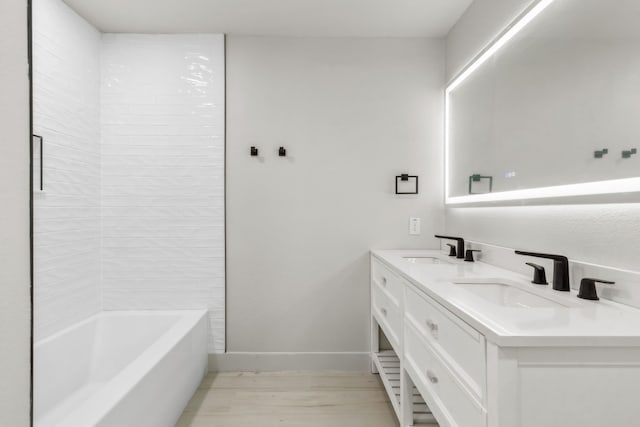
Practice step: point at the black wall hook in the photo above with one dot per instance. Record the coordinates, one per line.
(628, 153)
(282, 152)
(254, 151)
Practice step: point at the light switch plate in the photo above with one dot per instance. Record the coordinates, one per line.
(414, 226)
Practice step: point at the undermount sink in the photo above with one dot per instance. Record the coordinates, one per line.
(424, 260)
(507, 295)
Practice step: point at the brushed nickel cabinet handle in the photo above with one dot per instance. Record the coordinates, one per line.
(433, 327)
(432, 377)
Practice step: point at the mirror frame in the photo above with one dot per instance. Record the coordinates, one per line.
(609, 191)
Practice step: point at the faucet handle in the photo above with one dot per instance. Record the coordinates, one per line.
(561, 280)
(452, 249)
(539, 275)
(588, 288)
(468, 256)
(460, 240)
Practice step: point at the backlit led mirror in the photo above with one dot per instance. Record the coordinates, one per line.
(551, 108)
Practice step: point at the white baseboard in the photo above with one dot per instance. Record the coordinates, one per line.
(270, 362)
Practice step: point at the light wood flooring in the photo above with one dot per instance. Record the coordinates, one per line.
(318, 399)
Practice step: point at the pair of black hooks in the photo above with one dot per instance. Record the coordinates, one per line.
(282, 152)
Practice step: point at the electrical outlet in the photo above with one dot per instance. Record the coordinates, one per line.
(414, 226)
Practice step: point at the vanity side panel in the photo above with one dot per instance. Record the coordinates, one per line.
(502, 387)
(374, 341)
(578, 387)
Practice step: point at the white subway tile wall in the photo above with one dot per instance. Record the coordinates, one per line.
(67, 215)
(162, 123)
(132, 216)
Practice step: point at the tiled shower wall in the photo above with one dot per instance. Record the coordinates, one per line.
(162, 116)
(67, 215)
(132, 216)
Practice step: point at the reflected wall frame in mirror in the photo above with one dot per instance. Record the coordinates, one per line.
(606, 191)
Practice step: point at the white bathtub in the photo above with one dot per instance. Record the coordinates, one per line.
(120, 369)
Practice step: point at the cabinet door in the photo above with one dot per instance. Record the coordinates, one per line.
(458, 344)
(390, 282)
(442, 390)
(388, 315)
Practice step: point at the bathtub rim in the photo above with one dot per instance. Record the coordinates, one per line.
(110, 313)
(93, 410)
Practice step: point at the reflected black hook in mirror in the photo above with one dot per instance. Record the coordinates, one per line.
(254, 151)
(600, 153)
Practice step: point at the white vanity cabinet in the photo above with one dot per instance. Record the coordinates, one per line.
(445, 359)
(387, 290)
(443, 369)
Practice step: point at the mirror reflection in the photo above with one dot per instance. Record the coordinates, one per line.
(558, 104)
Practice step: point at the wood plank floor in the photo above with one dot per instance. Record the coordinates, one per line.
(319, 399)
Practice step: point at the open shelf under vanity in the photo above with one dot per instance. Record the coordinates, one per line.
(388, 364)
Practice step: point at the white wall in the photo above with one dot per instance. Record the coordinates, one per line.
(602, 234)
(162, 114)
(353, 114)
(14, 215)
(477, 27)
(67, 215)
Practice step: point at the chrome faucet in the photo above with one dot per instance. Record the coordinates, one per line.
(560, 269)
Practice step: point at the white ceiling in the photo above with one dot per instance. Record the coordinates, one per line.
(301, 18)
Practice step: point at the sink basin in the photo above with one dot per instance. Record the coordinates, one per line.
(508, 296)
(424, 260)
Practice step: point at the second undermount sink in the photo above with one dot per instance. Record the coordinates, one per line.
(507, 295)
(424, 260)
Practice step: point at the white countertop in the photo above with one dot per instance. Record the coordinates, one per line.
(579, 322)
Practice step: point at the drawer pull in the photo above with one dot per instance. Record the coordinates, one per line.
(383, 311)
(384, 281)
(433, 327)
(432, 377)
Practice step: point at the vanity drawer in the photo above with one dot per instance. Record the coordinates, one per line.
(388, 316)
(442, 390)
(390, 282)
(459, 345)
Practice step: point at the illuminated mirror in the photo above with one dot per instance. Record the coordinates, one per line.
(551, 109)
